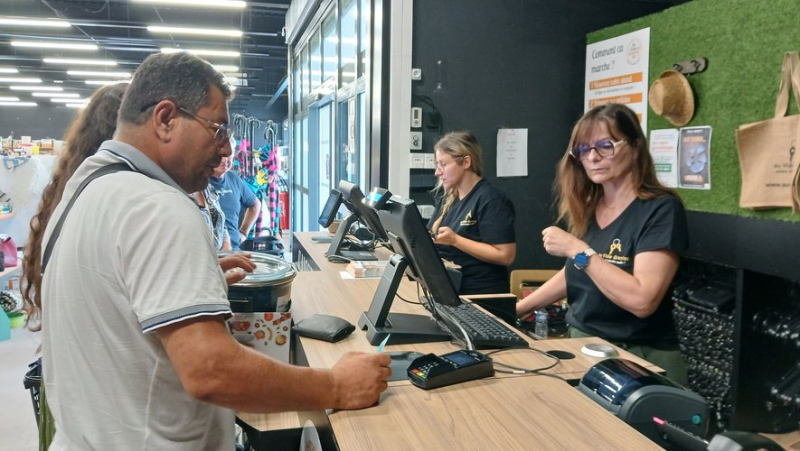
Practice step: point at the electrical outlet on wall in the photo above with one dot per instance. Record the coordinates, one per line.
(416, 140)
(430, 161)
(416, 74)
(417, 161)
(416, 117)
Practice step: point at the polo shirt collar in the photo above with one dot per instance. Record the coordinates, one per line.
(138, 161)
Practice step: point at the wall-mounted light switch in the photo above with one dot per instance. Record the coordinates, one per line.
(416, 117)
(416, 140)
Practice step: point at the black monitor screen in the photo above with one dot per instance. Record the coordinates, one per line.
(355, 197)
(410, 238)
(331, 208)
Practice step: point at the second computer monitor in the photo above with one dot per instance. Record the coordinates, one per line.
(409, 237)
(355, 197)
(331, 208)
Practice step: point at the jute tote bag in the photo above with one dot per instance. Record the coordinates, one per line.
(767, 148)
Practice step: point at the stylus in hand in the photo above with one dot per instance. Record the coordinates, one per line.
(383, 343)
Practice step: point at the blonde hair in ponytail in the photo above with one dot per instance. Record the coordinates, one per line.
(458, 145)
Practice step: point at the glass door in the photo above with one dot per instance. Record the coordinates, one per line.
(325, 179)
(348, 146)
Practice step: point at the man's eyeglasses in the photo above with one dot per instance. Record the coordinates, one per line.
(604, 148)
(222, 132)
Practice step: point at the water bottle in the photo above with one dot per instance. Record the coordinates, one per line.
(541, 323)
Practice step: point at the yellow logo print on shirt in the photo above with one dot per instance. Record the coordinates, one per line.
(468, 221)
(618, 260)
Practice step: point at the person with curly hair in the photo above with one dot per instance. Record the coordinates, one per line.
(95, 123)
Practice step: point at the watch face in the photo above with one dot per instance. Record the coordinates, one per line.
(581, 260)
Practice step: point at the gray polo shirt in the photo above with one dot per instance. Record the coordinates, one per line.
(133, 256)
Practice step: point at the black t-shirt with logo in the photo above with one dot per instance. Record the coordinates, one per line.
(487, 216)
(646, 225)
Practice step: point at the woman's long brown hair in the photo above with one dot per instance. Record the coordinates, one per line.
(95, 123)
(577, 197)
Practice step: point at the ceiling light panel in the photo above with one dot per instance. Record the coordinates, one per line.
(17, 104)
(28, 22)
(90, 73)
(80, 62)
(224, 68)
(47, 45)
(9, 99)
(55, 94)
(35, 88)
(8, 70)
(197, 3)
(106, 82)
(202, 52)
(20, 80)
(196, 31)
(62, 100)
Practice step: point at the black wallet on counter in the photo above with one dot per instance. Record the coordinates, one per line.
(324, 327)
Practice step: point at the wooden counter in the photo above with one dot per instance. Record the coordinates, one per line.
(503, 412)
(539, 413)
(325, 291)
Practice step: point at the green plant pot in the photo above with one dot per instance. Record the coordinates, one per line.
(17, 319)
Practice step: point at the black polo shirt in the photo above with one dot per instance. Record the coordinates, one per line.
(646, 225)
(487, 216)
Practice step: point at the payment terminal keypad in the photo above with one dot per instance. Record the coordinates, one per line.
(432, 371)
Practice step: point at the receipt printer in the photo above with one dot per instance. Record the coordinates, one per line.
(636, 395)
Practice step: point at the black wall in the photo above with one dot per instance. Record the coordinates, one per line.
(43, 121)
(513, 64)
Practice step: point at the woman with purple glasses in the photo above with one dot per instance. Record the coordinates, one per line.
(625, 232)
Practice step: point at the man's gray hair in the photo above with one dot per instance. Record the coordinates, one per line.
(180, 77)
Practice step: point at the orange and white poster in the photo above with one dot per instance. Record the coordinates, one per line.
(616, 72)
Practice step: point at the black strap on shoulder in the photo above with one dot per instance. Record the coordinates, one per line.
(105, 170)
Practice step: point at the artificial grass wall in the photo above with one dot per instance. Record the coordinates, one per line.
(744, 41)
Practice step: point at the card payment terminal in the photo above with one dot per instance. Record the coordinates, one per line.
(432, 371)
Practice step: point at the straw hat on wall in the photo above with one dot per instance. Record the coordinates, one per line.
(671, 96)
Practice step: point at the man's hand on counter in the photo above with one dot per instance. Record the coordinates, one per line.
(360, 378)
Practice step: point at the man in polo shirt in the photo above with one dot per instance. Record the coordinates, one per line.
(136, 351)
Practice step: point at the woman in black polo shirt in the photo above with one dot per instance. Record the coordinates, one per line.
(626, 232)
(473, 223)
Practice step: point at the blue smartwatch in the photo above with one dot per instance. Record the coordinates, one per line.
(581, 260)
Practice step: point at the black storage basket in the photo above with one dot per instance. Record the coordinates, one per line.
(33, 382)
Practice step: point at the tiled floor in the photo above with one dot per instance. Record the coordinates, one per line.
(17, 422)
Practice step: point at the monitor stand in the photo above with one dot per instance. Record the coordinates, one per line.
(404, 328)
(338, 239)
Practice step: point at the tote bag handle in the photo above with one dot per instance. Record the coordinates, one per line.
(790, 77)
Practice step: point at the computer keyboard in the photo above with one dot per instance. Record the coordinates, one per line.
(485, 331)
